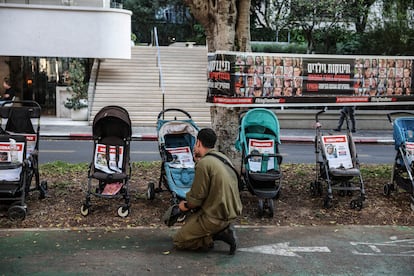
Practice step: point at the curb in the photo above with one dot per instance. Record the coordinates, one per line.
(153, 137)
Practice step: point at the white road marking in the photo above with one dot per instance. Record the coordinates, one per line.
(283, 249)
(391, 248)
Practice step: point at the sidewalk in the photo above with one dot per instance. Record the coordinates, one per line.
(274, 250)
(62, 128)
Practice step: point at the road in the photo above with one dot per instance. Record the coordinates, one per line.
(76, 151)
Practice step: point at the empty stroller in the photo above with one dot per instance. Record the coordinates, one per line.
(337, 164)
(176, 140)
(110, 169)
(403, 168)
(19, 160)
(258, 140)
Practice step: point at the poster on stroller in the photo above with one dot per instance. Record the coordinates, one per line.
(409, 146)
(109, 164)
(182, 157)
(337, 151)
(11, 154)
(260, 148)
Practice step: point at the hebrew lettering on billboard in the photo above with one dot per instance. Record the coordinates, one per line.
(264, 78)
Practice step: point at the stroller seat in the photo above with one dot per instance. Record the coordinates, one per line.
(345, 172)
(111, 169)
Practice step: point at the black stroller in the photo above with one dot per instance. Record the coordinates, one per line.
(258, 140)
(110, 169)
(403, 168)
(337, 164)
(19, 159)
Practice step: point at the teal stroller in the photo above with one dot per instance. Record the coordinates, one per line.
(403, 168)
(258, 141)
(177, 134)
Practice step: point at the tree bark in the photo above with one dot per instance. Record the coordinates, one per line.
(243, 38)
(227, 27)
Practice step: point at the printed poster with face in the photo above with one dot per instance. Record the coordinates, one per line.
(337, 151)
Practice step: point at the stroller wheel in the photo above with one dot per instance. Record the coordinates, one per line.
(387, 189)
(327, 203)
(261, 207)
(43, 189)
(312, 188)
(356, 204)
(277, 196)
(85, 210)
(271, 206)
(316, 188)
(17, 212)
(151, 191)
(123, 211)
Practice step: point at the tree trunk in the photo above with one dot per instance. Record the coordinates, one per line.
(218, 18)
(242, 42)
(225, 121)
(224, 22)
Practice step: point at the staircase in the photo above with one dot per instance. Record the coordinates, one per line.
(135, 84)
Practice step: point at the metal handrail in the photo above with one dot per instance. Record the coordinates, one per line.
(161, 79)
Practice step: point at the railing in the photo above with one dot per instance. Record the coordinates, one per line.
(161, 80)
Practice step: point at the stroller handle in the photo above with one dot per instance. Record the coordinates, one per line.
(319, 113)
(161, 114)
(31, 103)
(391, 114)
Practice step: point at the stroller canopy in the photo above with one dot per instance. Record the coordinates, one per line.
(258, 123)
(402, 127)
(177, 128)
(112, 121)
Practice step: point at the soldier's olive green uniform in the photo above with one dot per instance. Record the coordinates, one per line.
(215, 190)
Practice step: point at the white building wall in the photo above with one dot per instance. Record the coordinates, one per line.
(64, 31)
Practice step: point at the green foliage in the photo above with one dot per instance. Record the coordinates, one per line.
(281, 47)
(377, 171)
(61, 168)
(78, 86)
(171, 18)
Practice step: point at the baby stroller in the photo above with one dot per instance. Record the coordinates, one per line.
(258, 141)
(337, 164)
(19, 160)
(403, 168)
(110, 169)
(176, 141)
